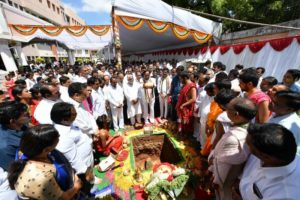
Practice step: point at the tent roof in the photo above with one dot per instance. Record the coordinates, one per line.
(144, 40)
(15, 16)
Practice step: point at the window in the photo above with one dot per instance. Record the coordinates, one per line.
(86, 52)
(10, 3)
(41, 1)
(49, 5)
(21, 8)
(16, 5)
(57, 10)
(53, 6)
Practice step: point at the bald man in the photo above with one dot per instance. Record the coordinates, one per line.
(134, 109)
(231, 152)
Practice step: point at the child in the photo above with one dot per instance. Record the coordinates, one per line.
(105, 143)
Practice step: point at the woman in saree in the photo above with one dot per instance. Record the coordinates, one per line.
(41, 172)
(185, 104)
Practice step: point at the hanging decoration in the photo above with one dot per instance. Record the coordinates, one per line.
(181, 32)
(132, 23)
(76, 31)
(99, 30)
(157, 26)
(277, 44)
(24, 30)
(51, 30)
(200, 37)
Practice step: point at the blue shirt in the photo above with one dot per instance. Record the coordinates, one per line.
(175, 87)
(295, 87)
(9, 142)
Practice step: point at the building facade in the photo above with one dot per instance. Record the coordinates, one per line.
(51, 12)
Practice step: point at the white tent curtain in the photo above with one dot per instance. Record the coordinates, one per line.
(275, 62)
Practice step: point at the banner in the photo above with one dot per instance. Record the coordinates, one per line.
(76, 31)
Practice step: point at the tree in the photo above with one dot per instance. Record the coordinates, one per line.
(263, 11)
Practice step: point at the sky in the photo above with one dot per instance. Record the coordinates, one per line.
(93, 12)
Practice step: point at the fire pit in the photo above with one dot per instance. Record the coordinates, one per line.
(156, 149)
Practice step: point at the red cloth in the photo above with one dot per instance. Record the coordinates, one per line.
(202, 194)
(203, 50)
(185, 114)
(90, 104)
(237, 49)
(114, 145)
(224, 49)
(281, 44)
(10, 83)
(213, 49)
(34, 104)
(86, 106)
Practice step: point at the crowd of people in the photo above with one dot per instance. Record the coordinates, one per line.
(53, 118)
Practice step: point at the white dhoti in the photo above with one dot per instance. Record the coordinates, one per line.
(117, 117)
(163, 102)
(148, 108)
(134, 110)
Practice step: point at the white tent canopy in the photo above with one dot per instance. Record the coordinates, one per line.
(87, 41)
(145, 40)
(140, 40)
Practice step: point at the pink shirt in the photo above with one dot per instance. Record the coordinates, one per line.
(258, 97)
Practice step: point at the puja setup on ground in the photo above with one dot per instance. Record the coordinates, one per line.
(153, 162)
(150, 162)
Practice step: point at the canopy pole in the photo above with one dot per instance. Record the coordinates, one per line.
(117, 42)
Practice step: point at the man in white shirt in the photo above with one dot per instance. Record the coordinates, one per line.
(51, 95)
(218, 67)
(65, 82)
(139, 79)
(115, 97)
(148, 98)
(273, 171)
(163, 88)
(84, 120)
(76, 146)
(231, 152)
(134, 109)
(30, 82)
(83, 75)
(97, 98)
(284, 105)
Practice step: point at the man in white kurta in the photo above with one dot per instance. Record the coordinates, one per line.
(84, 119)
(63, 88)
(97, 98)
(163, 88)
(76, 146)
(146, 93)
(134, 109)
(50, 96)
(115, 97)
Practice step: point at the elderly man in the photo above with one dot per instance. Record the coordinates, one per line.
(51, 95)
(148, 98)
(134, 110)
(231, 153)
(84, 119)
(82, 75)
